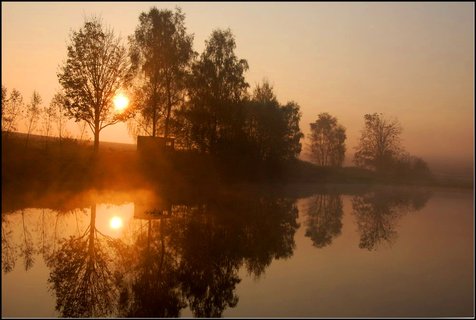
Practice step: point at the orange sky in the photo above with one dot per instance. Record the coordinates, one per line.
(413, 61)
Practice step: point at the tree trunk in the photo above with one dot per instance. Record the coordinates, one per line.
(96, 141)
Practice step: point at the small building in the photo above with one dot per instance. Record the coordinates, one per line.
(151, 145)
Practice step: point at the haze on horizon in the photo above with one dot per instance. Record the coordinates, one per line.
(412, 61)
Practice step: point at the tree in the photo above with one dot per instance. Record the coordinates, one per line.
(293, 135)
(327, 141)
(4, 98)
(12, 109)
(33, 113)
(58, 102)
(161, 50)
(49, 114)
(96, 69)
(216, 87)
(379, 143)
(273, 128)
(409, 167)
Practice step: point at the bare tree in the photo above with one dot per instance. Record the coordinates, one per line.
(49, 114)
(58, 102)
(379, 144)
(12, 110)
(33, 112)
(96, 69)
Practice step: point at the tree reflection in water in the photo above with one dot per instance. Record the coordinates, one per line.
(378, 212)
(151, 286)
(82, 273)
(8, 246)
(324, 219)
(193, 257)
(189, 255)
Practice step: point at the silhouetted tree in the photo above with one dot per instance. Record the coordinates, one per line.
(12, 109)
(33, 112)
(161, 51)
(4, 96)
(58, 103)
(48, 114)
(327, 141)
(409, 167)
(216, 88)
(96, 69)
(324, 219)
(4, 104)
(379, 143)
(273, 128)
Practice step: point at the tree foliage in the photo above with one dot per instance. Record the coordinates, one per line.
(272, 128)
(216, 88)
(12, 109)
(96, 69)
(161, 53)
(327, 141)
(33, 113)
(379, 143)
(58, 103)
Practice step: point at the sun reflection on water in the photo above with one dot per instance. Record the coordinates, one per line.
(116, 222)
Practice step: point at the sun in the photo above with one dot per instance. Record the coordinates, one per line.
(120, 102)
(115, 222)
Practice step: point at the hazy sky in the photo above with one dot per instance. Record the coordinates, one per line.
(413, 61)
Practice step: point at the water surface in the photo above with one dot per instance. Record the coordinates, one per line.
(387, 251)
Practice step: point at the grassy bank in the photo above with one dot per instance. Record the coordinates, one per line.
(48, 164)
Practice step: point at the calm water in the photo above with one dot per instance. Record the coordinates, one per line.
(382, 252)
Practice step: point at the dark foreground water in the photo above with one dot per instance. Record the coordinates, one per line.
(382, 252)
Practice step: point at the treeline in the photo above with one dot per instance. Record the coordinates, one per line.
(379, 149)
(36, 117)
(202, 101)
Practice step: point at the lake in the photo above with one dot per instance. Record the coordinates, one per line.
(325, 252)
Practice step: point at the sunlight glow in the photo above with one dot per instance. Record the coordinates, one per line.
(120, 102)
(115, 222)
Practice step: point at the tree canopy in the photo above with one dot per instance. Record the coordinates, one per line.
(161, 53)
(327, 141)
(379, 143)
(96, 69)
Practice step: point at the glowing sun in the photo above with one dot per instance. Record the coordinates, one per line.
(120, 102)
(115, 222)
